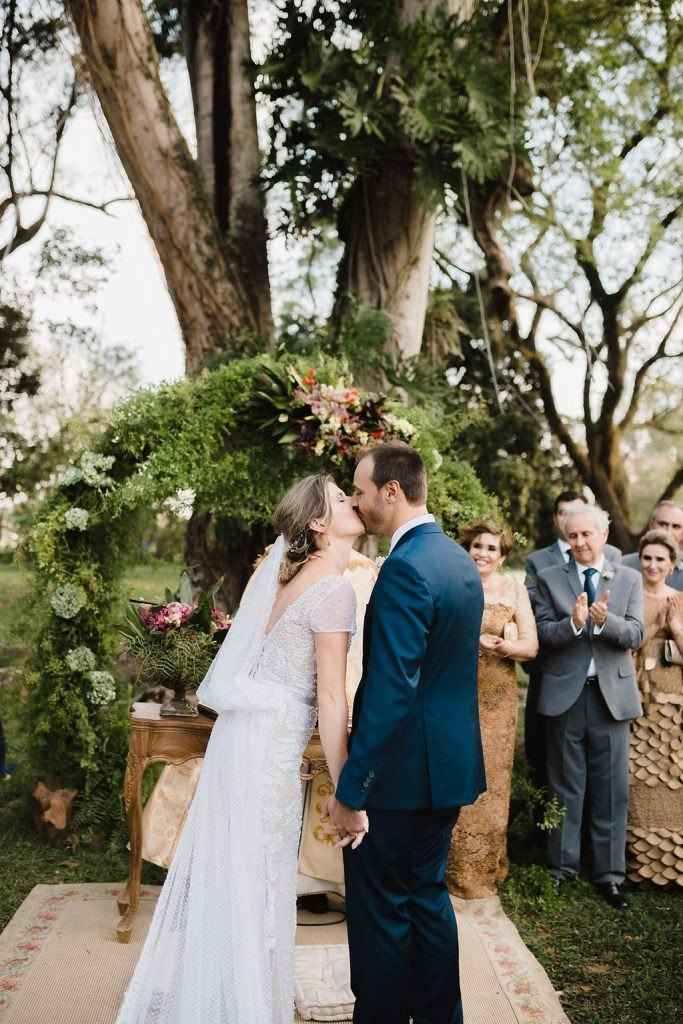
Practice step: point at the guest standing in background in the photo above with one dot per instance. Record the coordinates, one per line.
(557, 553)
(666, 516)
(478, 854)
(589, 615)
(655, 821)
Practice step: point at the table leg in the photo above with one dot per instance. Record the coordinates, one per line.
(129, 899)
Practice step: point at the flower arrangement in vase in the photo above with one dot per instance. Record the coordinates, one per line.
(175, 642)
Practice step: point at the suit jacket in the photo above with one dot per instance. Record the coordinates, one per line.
(415, 740)
(546, 558)
(675, 580)
(566, 657)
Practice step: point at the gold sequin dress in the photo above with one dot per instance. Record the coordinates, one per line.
(655, 824)
(477, 858)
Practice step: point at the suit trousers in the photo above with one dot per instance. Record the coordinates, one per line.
(534, 730)
(403, 938)
(587, 745)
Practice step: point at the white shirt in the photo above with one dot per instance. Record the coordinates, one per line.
(565, 549)
(410, 525)
(597, 630)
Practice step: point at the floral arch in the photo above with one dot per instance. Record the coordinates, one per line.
(236, 437)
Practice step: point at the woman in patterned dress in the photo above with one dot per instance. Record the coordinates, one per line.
(655, 825)
(478, 855)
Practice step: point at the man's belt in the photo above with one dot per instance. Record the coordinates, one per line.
(591, 679)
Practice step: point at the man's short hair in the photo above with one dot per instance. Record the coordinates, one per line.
(566, 496)
(667, 503)
(598, 515)
(397, 461)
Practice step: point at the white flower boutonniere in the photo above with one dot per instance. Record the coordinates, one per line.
(607, 573)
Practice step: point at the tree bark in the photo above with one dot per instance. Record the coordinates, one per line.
(219, 59)
(205, 281)
(388, 240)
(388, 232)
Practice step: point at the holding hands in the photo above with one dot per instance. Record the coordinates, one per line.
(349, 826)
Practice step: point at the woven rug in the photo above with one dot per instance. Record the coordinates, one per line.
(60, 962)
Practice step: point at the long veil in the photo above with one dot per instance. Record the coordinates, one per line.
(205, 958)
(235, 661)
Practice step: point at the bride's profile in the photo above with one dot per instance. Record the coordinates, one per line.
(220, 947)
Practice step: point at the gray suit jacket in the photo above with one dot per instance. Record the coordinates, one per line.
(675, 580)
(546, 558)
(566, 657)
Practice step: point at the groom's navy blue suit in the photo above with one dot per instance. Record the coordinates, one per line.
(415, 758)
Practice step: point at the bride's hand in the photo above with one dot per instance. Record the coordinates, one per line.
(354, 839)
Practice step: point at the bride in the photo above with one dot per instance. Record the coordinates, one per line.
(220, 948)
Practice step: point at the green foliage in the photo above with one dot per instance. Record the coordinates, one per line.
(198, 436)
(354, 91)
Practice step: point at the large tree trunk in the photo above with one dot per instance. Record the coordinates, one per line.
(219, 59)
(206, 283)
(388, 232)
(388, 240)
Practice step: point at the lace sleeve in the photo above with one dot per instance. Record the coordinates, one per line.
(336, 611)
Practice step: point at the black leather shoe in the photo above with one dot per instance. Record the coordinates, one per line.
(613, 893)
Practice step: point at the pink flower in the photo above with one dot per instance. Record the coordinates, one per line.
(8, 985)
(220, 619)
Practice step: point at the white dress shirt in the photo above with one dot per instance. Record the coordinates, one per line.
(565, 549)
(597, 630)
(410, 525)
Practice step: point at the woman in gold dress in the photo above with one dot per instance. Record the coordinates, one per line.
(478, 855)
(655, 825)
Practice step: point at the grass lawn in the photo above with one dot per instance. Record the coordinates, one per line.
(611, 968)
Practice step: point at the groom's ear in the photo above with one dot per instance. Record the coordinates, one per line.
(392, 491)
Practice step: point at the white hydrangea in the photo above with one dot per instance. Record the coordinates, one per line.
(76, 518)
(68, 600)
(102, 688)
(72, 475)
(81, 659)
(94, 468)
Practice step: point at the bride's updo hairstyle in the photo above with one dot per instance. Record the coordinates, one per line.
(305, 501)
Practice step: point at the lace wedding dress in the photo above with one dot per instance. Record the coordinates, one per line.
(220, 948)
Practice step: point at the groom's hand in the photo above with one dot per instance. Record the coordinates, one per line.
(349, 825)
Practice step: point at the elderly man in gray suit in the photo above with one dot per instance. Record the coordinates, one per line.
(557, 553)
(589, 614)
(667, 516)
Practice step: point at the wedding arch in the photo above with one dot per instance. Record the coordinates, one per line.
(232, 438)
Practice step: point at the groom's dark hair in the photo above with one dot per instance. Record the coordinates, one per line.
(397, 461)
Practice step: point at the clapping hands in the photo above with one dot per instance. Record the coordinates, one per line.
(597, 612)
(494, 645)
(349, 826)
(673, 611)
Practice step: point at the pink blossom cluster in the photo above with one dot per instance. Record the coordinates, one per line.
(221, 620)
(169, 616)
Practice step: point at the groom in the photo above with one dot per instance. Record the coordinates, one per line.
(415, 751)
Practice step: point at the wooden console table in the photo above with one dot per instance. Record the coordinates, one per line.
(173, 741)
(152, 739)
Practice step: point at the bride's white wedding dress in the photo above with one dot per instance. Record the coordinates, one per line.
(220, 948)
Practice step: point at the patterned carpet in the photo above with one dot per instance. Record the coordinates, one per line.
(61, 964)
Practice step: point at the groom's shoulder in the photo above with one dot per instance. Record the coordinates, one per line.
(432, 547)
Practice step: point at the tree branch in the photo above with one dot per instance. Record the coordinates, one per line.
(673, 485)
